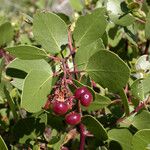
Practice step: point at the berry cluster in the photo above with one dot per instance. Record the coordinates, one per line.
(84, 95)
(61, 106)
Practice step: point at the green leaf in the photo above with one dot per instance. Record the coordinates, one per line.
(99, 103)
(2, 94)
(11, 103)
(2, 63)
(125, 20)
(24, 39)
(95, 127)
(2, 144)
(90, 28)
(124, 99)
(50, 31)
(64, 17)
(137, 89)
(146, 85)
(29, 128)
(116, 110)
(58, 145)
(107, 69)
(76, 4)
(37, 86)
(87, 52)
(6, 32)
(28, 65)
(27, 52)
(141, 140)
(130, 35)
(114, 34)
(142, 120)
(18, 83)
(147, 26)
(122, 136)
(4, 84)
(141, 88)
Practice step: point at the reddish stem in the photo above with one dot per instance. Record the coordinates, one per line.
(6, 56)
(82, 136)
(72, 51)
(70, 42)
(81, 126)
(54, 58)
(127, 93)
(137, 109)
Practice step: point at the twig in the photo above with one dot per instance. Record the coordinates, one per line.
(137, 109)
(54, 58)
(72, 52)
(82, 136)
(81, 126)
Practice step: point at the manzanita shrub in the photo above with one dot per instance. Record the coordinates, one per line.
(78, 82)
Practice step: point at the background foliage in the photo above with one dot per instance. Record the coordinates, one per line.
(109, 54)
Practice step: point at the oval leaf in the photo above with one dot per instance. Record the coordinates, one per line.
(141, 140)
(85, 52)
(2, 144)
(122, 136)
(27, 52)
(137, 89)
(125, 20)
(18, 83)
(124, 99)
(11, 103)
(29, 128)
(76, 5)
(6, 32)
(107, 69)
(147, 26)
(142, 120)
(50, 31)
(141, 88)
(90, 28)
(95, 127)
(37, 86)
(29, 65)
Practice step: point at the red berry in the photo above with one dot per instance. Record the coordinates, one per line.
(73, 118)
(86, 99)
(80, 91)
(60, 108)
